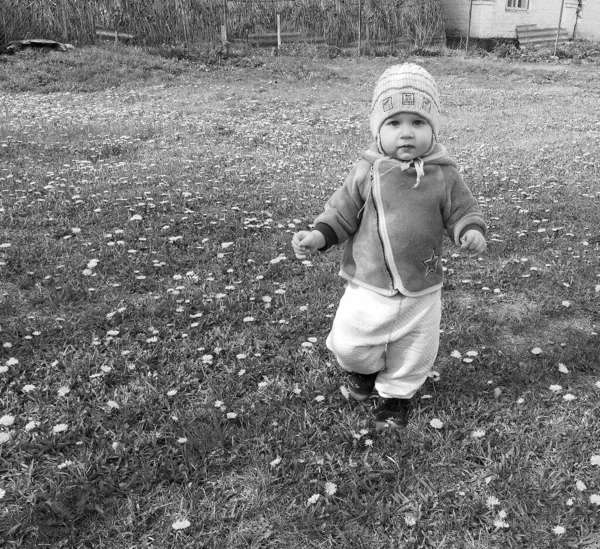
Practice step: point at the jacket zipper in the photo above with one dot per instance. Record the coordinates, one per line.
(385, 261)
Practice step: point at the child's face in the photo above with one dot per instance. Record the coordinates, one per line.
(405, 136)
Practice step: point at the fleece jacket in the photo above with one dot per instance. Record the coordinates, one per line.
(393, 222)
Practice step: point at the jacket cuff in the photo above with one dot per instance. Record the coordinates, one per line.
(472, 226)
(331, 238)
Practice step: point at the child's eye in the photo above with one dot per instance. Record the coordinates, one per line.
(419, 122)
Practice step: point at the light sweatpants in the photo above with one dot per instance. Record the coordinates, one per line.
(396, 336)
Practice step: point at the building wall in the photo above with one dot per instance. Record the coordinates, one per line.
(588, 26)
(492, 19)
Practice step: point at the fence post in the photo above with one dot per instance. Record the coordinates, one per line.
(562, 7)
(65, 30)
(469, 27)
(278, 17)
(224, 24)
(359, 26)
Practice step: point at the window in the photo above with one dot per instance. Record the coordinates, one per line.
(517, 4)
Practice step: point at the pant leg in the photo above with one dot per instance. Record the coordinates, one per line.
(361, 329)
(412, 348)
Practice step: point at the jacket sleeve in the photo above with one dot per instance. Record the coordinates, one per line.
(461, 211)
(342, 210)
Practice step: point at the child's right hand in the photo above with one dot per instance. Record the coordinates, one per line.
(306, 243)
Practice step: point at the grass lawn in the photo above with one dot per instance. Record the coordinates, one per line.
(164, 380)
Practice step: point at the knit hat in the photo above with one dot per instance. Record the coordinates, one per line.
(405, 88)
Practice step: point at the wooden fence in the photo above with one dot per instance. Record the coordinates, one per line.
(155, 22)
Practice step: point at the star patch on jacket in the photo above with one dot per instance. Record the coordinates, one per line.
(431, 264)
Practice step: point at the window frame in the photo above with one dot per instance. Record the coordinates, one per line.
(512, 5)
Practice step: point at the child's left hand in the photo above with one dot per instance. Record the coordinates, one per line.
(473, 242)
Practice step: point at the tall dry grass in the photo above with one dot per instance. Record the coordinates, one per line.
(157, 22)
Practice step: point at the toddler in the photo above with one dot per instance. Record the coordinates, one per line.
(391, 213)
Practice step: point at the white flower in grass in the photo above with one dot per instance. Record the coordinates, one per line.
(499, 523)
(181, 524)
(344, 392)
(563, 369)
(182, 440)
(313, 499)
(275, 462)
(368, 442)
(479, 433)
(455, 354)
(60, 428)
(12, 361)
(581, 486)
(4, 437)
(320, 398)
(555, 388)
(595, 460)
(231, 415)
(492, 501)
(330, 488)
(566, 303)
(2, 493)
(595, 499)
(559, 530)
(536, 351)
(136, 217)
(32, 425)
(113, 405)
(436, 423)
(3, 369)
(63, 391)
(570, 502)
(569, 397)
(410, 519)
(249, 319)
(172, 392)
(597, 384)
(7, 420)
